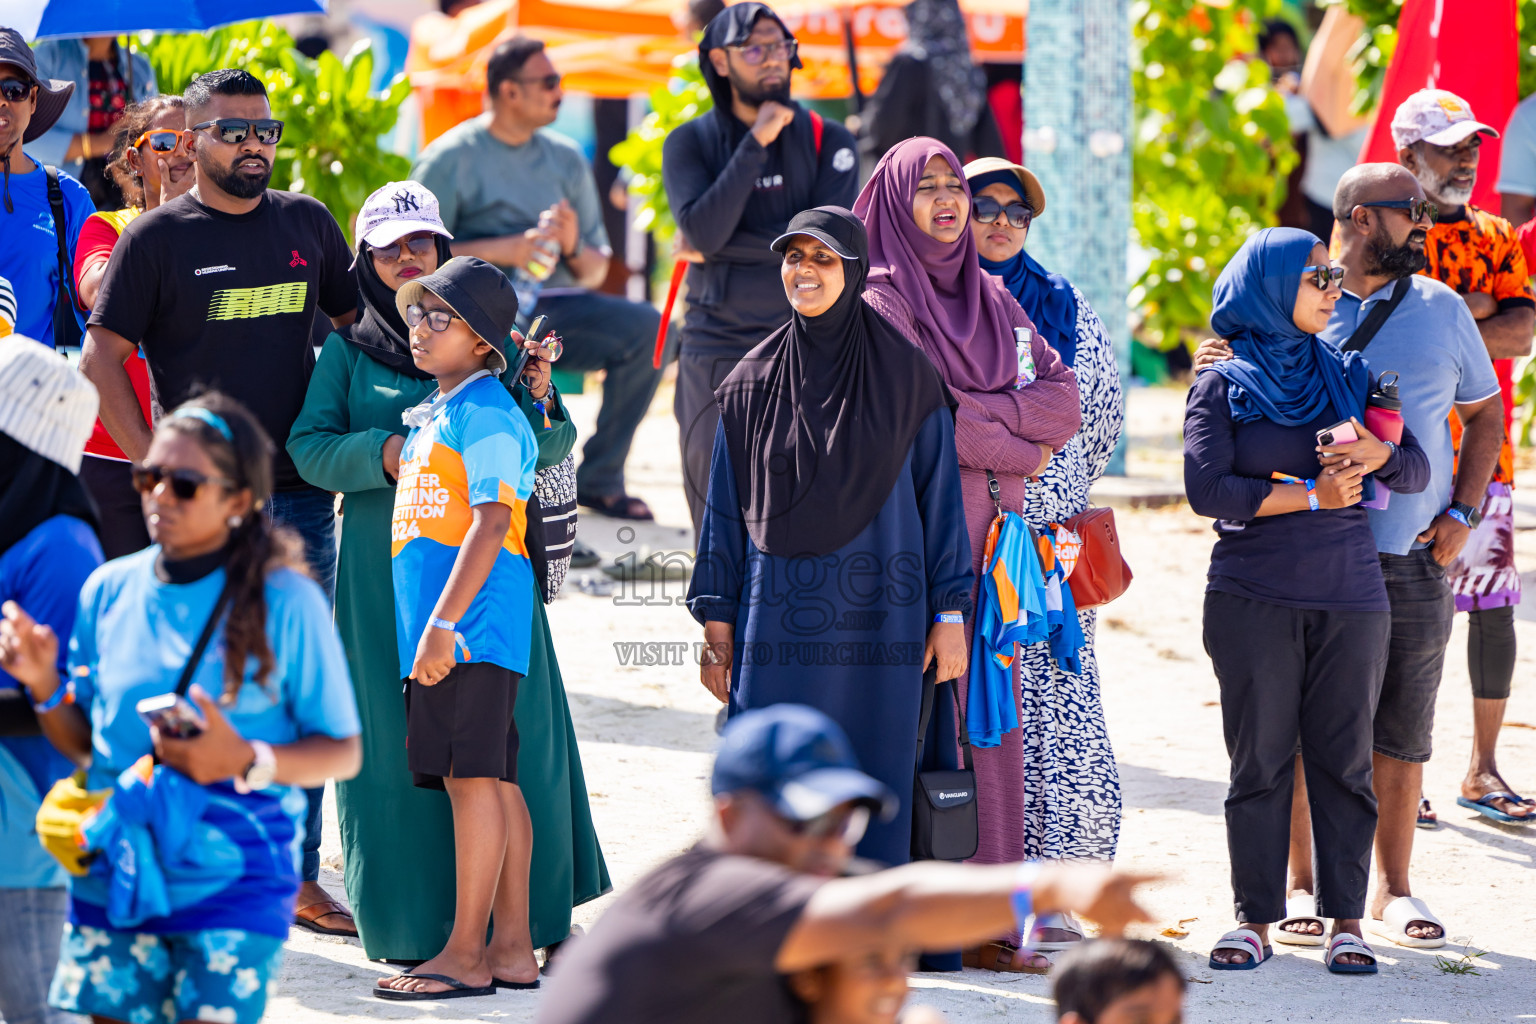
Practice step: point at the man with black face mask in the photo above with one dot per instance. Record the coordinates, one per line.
(1430, 340)
(734, 178)
(218, 289)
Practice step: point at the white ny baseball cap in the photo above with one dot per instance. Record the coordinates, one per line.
(1437, 117)
(398, 209)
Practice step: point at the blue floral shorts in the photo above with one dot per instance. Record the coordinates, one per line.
(222, 974)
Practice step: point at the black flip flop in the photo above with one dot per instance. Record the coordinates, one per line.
(456, 990)
(515, 985)
(618, 506)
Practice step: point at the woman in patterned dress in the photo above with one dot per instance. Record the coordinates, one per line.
(1072, 788)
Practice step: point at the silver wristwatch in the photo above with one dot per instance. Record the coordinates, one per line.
(261, 772)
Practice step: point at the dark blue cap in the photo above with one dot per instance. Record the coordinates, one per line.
(799, 760)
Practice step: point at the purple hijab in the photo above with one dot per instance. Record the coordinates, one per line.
(962, 311)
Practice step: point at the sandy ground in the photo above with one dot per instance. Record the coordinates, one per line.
(646, 736)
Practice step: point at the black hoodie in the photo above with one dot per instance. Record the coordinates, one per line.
(732, 197)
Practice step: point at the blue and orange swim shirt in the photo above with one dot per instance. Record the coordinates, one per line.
(476, 447)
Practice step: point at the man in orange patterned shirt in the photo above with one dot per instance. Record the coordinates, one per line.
(1478, 255)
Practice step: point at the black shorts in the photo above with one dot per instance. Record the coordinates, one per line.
(463, 727)
(1422, 610)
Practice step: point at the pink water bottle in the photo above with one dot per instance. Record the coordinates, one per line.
(1384, 418)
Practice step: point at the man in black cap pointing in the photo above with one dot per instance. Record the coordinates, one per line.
(734, 178)
(710, 935)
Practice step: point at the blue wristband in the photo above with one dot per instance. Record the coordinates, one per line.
(953, 618)
(1312, 495)
(61, 695)
(1460, 516)
(1023, 900)
(437, 623)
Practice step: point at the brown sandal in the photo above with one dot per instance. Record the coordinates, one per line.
(309, 917)
(996, 956)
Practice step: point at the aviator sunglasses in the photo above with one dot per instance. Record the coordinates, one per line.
(235, 130)
(1323, 275)
(184, 483)
(986, 210)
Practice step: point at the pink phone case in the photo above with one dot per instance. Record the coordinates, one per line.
(1343, 433)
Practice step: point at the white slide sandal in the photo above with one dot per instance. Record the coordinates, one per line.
(1402, 912)
(1301, 908)
(1059, 922)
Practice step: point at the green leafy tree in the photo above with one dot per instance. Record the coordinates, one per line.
(1212, 151)
(332, 117)
(683, 98)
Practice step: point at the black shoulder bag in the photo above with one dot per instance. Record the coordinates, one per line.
(1366, 332)
(944, 822)
(66, 329)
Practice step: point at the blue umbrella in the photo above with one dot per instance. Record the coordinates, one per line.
(51, 19)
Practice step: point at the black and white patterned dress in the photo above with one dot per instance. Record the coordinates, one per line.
(1071, 785)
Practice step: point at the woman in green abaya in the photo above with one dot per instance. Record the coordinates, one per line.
(397, 840)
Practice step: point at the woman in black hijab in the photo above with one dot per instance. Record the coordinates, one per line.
(834, 564)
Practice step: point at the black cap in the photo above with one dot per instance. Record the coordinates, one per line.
(833, 226)
(52, 94)
(478, 292)
(799, 760)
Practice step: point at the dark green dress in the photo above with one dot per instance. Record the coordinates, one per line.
(397, 840)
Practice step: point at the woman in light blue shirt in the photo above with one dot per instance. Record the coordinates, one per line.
(197, 932)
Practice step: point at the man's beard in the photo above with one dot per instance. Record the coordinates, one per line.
(231, 181)
(752, 96)
(1441, 193)
(1384, 259)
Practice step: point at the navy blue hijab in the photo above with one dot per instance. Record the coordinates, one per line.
(1278, 372)
(1046, 298)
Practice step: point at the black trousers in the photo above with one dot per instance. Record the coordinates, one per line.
(1294, 676)
(110, 485)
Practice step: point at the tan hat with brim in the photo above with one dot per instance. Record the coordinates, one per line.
(1034, 195)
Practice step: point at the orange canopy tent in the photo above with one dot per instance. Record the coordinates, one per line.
(617, 48)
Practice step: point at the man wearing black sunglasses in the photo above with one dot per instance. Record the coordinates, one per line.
(509, 189)
(734, 178)
(220, 288)
(710, 935)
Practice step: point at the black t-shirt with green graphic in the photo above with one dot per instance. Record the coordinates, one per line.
(227, 301)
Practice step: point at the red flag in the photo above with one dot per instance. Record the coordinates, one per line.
(1468, 47)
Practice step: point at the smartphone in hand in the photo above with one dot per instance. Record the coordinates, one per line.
(172, 714)
(1340, 433)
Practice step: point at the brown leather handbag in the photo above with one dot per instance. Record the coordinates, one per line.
(1101, 574)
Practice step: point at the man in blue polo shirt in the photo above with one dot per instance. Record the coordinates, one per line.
(1432, 342)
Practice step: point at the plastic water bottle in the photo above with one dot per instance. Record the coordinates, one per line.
(528, 281)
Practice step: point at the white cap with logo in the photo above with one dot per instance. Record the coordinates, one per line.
(45, 403)
(1437, 117)
(398, 209)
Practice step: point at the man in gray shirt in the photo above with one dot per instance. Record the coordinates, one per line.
(505, 185)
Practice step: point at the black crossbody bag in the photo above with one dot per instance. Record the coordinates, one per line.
(944, 822)
(1366, 332)
(66, 329)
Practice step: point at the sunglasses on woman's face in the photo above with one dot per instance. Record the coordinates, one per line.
(419, 244)
(183, 483)
(14, 90)
(161, 140)
(437, 319)
(235, 130)
(1322, 275)
(987, 210)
